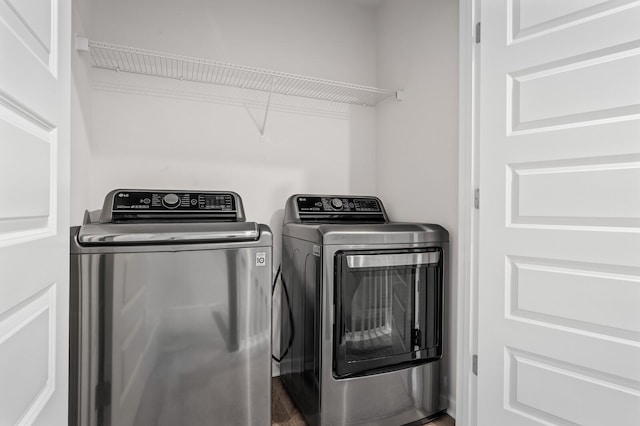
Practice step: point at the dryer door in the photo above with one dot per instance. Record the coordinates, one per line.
(388, 310)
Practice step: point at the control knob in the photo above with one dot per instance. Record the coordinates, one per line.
(336, 203)
(171, 201)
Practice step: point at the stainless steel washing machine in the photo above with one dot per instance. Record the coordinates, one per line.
(362, 313)
(170, 312)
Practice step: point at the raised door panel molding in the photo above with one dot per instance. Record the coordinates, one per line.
(589, 89)
(27, 166)
(553, 392)
(34, 24)
(532, 18)
(576, 296)
(27, 358)
(598, 193)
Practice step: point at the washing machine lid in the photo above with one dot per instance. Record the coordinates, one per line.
(140, 216)
(167, 233)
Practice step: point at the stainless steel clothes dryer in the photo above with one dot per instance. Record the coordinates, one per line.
(170, 312)
(362, 315)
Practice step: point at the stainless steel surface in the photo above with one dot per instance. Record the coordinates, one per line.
(180, 336)
(380, 260)
(285, 413)
(389, 233)
(392, 398)
(170, 322)
(395, 397)
(408, 395)
(143, 233)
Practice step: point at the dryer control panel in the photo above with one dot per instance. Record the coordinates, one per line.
(338, 204)
(334, 209)
(123, 205)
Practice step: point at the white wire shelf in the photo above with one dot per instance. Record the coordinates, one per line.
(168, 65)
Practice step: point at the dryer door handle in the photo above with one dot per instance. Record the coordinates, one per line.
(396, 259)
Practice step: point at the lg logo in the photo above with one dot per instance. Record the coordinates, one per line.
(261, 259)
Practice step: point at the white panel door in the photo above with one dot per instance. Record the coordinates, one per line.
(34, 210)
(559, 255)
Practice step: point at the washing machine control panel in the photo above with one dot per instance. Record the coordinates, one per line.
(185, 201)
(143, 205)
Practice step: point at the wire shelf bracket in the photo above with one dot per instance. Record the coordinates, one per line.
(261, 128)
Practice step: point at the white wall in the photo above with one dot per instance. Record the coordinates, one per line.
(150, 132)
(417, 139)
(80, 121)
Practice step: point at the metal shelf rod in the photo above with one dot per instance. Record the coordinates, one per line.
(168, 65)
